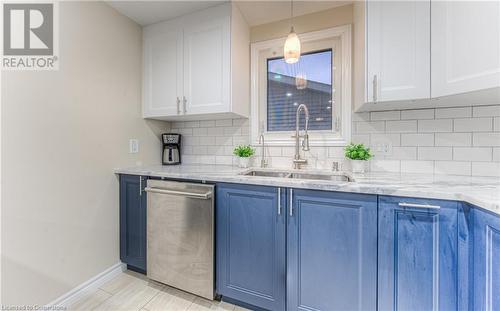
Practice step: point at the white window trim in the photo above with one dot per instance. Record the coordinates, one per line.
(342, 32)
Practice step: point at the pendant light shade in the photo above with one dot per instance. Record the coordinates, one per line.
(301, 81)
(291, 51)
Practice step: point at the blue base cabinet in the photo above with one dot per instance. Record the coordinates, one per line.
(251, 245)
(133, 222)
(418, 256)
(486, 289)
(297, 249)
(316, 248)
(332, 251)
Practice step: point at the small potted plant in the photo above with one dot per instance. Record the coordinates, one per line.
(359, 155)
(244, 153)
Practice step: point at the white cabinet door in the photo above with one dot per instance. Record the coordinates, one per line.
(465, 46)
(162, 82)
(398, 50)
(207, 66)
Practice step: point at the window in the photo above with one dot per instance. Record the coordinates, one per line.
(320, 80)
(309, 82)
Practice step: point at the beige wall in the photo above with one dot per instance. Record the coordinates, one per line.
(63, 132)
(305, 23)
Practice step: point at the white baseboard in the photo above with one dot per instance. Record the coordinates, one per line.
(89, 286)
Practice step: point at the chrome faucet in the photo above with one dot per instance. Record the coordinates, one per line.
(263, 162)
(297, 160)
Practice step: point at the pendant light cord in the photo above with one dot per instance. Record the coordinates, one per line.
(291, 14)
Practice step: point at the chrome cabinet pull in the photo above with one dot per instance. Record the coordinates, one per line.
(140, 185)
(404, 204)
(291, 202)
(184, 101)
(279, 201)
(178, 105)
(375, 88)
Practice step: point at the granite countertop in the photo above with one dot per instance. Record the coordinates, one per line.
(483, 192)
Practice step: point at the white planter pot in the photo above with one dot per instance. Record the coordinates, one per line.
(358, 166)
(243, 162)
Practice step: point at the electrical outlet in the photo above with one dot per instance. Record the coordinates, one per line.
(133, 145)
(382, 147)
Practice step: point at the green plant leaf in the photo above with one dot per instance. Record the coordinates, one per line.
(245, 151)
(357, 152)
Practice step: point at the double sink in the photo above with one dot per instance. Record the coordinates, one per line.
(336, 177)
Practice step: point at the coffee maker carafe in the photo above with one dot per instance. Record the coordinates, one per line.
(171, 149)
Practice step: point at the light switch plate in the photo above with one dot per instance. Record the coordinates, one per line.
(133, 145)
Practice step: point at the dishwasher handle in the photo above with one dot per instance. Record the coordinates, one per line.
(203, 196)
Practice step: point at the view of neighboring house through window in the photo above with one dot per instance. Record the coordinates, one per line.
(309, 82)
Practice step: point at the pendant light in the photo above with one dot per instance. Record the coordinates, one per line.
(300, 81)
(291, 50)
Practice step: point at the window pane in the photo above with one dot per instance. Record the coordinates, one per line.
(309, 82)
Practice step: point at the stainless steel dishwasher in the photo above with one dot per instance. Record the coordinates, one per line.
(180, 235)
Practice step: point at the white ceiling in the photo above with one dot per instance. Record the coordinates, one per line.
(262, 12)
(150, 12)
(255, 12)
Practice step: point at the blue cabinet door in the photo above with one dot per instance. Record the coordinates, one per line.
(486, 260)
(250, 245)
(332, 251)
(133, 222)
(417, 247)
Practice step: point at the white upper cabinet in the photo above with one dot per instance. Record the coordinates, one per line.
(190, 64)
(424, 54)
(465, 46)
(162, 81)
(207, 64)
(398, 45)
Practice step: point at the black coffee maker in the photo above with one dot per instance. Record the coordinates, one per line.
(171, 149)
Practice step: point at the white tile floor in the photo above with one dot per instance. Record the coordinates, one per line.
(133, 292)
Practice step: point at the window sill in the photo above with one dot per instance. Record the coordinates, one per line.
(313, 142)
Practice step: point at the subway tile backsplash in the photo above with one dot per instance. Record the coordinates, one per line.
(464, 141)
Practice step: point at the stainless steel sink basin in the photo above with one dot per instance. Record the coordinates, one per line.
(332, 177)
(267, 174)
(339, 177)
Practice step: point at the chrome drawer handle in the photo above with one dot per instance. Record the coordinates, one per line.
(291, 202)
(279, 201)
(204, 196)
(404, 204)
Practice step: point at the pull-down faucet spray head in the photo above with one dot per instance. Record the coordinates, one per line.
(305, 141)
